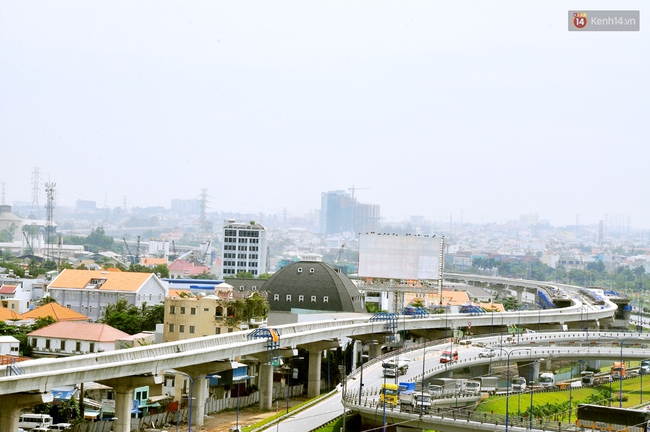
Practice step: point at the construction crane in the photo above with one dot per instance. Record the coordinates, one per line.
(137, 252)
(128, 251)
(354, 189)
(29, 245)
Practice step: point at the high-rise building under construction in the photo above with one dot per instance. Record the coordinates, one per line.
(341, 212)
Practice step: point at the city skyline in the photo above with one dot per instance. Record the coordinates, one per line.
(472, 112)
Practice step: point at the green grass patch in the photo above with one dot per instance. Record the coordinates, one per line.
(520, 402)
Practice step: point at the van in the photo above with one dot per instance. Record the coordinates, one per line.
(61, 426)
(32, 421)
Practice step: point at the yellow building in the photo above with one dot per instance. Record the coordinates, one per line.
(189, 315)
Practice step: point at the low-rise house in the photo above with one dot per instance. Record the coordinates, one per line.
(9, 345)
(184, 269)
(8, 316)
(56, 311)
(73, 338)
(88, 292)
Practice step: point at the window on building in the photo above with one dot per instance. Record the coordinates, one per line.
(276, 297)
(288, 297)
(62, 345)
(230, 329)
(217, 330)
(170, 328)
(47, 344)
(192, 329)
(181, 328)
(172, 310)
(71, 294)
(77, 346)
(325, 299)
(92, 347)
(182, 310)
(301, 298)
(33, 342)
(313, 298)
(192, 311)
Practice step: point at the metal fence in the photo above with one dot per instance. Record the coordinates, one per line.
(212, 405)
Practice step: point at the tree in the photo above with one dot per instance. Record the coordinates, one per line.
(162, 270)
(45, 300)
(510, 303)
(7, 235)
(205, 276)
(152, 315)
(131, 319)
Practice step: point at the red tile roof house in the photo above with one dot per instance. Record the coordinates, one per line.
(88, 291)
(183, 269)
(72, 338)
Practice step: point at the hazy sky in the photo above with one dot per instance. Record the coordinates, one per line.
(492, 109)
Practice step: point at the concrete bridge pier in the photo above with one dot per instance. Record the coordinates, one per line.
(528, 369)
(479, 371)
(315, 354)
(11, 404)
(124, 388)
(266, 386)
(199, 374)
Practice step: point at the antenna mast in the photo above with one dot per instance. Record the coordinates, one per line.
(49, 190)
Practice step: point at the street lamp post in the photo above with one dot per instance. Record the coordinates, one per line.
(508, 353)
(191, 392)
(289, 379)
(621, 342)
(239, 379)
(383, 421)
(371, 342)
(424, 360)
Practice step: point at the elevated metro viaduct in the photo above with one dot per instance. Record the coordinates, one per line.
(554, 345)
(125, 370)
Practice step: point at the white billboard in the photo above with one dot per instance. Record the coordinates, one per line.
(399, 257)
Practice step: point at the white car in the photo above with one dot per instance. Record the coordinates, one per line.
(487, 353)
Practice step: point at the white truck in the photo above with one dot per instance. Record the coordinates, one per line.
(444, 387)
(547, 379)
(393, 368)
(414, 401)
(489, 384)
(519, 384)
(473, 387)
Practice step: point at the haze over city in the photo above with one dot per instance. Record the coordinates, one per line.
(482, 110)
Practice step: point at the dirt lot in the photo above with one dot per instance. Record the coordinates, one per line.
(221, 422)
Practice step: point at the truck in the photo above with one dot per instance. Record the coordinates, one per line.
(449, 356)
(444, 387)
(393, 368)
(618, 370)
(389, 394)
(489, 384)
(473, 387)
(547, 380)
(588, 378)
(644, 369)
(519, 384)
(413, 401)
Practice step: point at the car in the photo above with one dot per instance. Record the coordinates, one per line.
(488, 353)
(480, 344)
